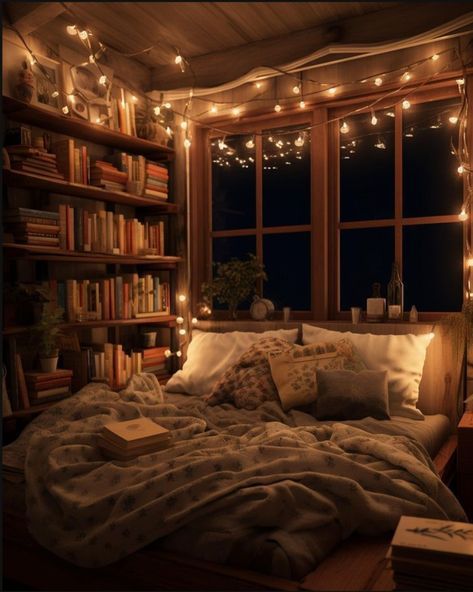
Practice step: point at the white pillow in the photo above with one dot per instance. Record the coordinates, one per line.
(402, 356)
(210, 354)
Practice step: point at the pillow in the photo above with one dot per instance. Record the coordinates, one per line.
(294, 372)
(248, 383)
(343, 394)
(210, 354)
(402, 356)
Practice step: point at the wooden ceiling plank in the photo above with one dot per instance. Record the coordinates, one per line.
(29, 16)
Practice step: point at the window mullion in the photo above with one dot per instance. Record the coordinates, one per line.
(259, 201)
(398, 124)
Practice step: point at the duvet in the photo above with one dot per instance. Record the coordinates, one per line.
(250, 488)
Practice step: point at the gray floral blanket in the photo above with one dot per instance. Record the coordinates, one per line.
(249, 488)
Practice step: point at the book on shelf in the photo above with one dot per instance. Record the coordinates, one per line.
(33, 227)
(112, 364)
(430, 554)
(73, 161)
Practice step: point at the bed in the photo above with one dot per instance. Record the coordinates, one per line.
(264, 476)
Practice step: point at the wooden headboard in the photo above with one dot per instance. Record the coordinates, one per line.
(442, 386)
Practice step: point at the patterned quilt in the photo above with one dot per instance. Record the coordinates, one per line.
(251, 488)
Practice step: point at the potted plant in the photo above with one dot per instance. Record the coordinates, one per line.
(46, 333)
(23, 303)
(234, 281)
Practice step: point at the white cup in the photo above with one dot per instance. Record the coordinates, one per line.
(286, 313)
(355, 314)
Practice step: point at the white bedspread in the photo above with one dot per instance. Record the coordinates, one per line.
(247, 487)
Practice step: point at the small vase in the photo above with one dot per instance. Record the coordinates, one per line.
(49, 364)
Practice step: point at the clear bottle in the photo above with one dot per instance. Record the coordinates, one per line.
(396, 289)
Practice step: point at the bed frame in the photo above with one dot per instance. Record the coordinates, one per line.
(357, 564)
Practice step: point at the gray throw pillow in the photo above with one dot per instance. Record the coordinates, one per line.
(343, 394)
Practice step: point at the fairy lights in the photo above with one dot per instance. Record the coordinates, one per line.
(345, 128)
(302, 104)
(406, 104)
(462, 216)
(277, 107)
(374, 119)
(378, 81)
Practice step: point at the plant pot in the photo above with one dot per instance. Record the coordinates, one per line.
(149, 339)
(49, 364)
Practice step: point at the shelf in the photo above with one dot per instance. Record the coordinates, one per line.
(166, 320)
(30, 181)
(79, 128)
(38, 253)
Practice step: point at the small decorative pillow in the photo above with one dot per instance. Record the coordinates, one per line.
(248, 383)
(294, 372)
(343, 394)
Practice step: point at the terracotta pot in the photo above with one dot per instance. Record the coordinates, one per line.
(49, 364)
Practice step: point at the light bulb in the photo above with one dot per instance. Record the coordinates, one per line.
(195, 320)
(182, 297)
(71, 29)
(302, 104)
(97, 120)
(410, 133)
(250, 143)
(91, 59)
(83, 35)
(460, 81)
(182, 331)
(435, 57)
(169, 131)
(180, 320)
(378, 81)
(374, 119)
(391, 114)
(55, 94)
(299, 141)
(157, 110)
(380, 145)
(168, 353)
(236, 111)
(462, 216)
(406, 76)
(178, 59)
(258, 84)
(461, 169)
(103, 80)
(406, 104)
(222, 145)
(332, 91)
(453, 119)
(469, 262)
(179, 353)
(134, 98)
(184, 125)
(187, 143)
(270, 139)
(33, 60)
(277, 107)
(213, 108)
(344, 128)
(65, 109)
(167, 105)
(296, 89)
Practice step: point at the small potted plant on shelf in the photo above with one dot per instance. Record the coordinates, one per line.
(46, 333)
(233, 282)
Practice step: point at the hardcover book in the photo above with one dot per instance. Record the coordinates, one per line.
(135, 433)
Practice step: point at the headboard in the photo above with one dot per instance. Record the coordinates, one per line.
(442, 386)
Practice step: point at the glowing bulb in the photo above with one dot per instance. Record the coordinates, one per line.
(33, 60)
(236, 111)
(167, 105)
(168, 353)
(344, 128)
(134, 98)
(378, 81)
(332, 91)
(55, 94)
(296, 90)
(103, 80)
(184, 125)
(270, 139)
(180, 320)
(460, 81)
(469, 262)
(65, 110)
(213, 108)
(157, 110)
(187, 143)
(406, 76)
(169, 131)
(380, 145)
(435, 57)
(461, 169)
(462, 216)
(374, 119)
(179, 353)
(98, 120)
(277, 107)
(406, 104)
(299, 141)
(178, 59)
(302, 104)
(258, 84)
(71, 29)
(194, 320)
(453, 119)
(182, 331)
(250, 143)
(222, 145)
(391, 114)
(83, 35)
(91, 59)
(182, 298)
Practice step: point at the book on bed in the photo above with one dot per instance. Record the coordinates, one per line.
(128, 439)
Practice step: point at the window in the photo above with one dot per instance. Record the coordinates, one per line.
(400, 195)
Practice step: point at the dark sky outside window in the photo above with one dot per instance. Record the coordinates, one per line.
(367, 168)
(286, 178)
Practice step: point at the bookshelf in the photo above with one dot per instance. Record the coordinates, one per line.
(43, 263)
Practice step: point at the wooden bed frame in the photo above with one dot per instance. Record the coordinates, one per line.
(359, 563)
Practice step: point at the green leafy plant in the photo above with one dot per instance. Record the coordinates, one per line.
(47, 331)
(234, 281)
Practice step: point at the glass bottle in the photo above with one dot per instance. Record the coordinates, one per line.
(395, 293)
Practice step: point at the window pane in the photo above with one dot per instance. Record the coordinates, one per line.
(233, 184)
(431, 183)
(287, 260)
(286, 178)
(367, 168)
(433, 267)
(366, 257)
(230, 247)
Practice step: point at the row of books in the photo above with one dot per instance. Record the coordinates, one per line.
(107, 232)
(47, 386)
(156, 180)
(152, 176)
(122, 114)
(33, 160)
(120, 297)
(33, 227)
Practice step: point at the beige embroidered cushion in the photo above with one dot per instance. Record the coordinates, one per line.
(294, 371)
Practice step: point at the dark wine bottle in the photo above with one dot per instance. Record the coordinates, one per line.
(395, 294)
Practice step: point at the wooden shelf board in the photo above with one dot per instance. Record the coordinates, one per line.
(29, 180)
(19, 413)
(36, 252)
(168, 320)
(79, 128)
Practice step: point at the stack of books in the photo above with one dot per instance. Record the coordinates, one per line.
(428, 554)
(125, 440)
(73, 161)
(154, 360)
(33, 160)
(104, 174)
(157, 177)
(46, 386)
(33, 227)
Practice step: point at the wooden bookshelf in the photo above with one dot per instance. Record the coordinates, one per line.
(162, 320)
(38, 253)
(30, 181)
(79, 128)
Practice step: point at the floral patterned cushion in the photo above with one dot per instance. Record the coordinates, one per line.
(248, 383)
(294, 371)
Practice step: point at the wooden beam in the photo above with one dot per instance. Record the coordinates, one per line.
(29, 16)
(400, 22)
